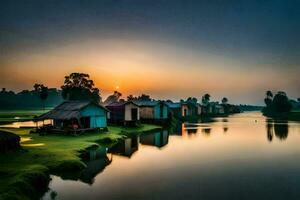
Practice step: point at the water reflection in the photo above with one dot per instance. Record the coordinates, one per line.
(158, 139)
(278, 127)
(281, 130)
(96, 160)
(126, 147)
(191, 159)
(206, 131)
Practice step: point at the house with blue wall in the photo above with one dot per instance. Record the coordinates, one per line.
(153, 111)
(77, 115)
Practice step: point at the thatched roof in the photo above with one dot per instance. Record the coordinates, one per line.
(68, 110)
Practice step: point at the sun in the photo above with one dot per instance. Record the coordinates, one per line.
(117, 87)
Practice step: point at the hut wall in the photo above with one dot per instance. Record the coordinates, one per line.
(157, 110)
(128, 108)
(97, 116)
(184, 107)
(117, 114)
(147, 112)
(199, 110)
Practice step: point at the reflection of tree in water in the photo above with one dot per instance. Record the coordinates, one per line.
(53, 195)
(270, 129)
(281, 130)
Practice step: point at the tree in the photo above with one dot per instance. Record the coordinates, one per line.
(143, 97)
(298, 99)
(206, 98)
(269, 98)
(269, 94)
(113, 98)
(79, 86)
(42, 92)
(281, 103)
(224, 100)
(131, 98)
(192, 100)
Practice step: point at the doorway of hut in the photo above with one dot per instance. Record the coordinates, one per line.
(134, 113)
(161, 110)
(185, 112)
(85, 122)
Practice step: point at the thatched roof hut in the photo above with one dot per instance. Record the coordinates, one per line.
(86, 114)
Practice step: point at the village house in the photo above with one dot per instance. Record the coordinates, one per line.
(125, 113)
(76, 115)
(182, 109)
(153, 111)
(176, 109)
(199, 109)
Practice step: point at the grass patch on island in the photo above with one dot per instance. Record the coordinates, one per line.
(28, 170)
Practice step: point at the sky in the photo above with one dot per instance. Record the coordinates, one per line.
(170, 49)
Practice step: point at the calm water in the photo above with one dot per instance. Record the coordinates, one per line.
(244, 156)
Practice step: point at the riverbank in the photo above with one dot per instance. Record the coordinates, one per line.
(10, 116)
(291, 116)
(294, 116)
(25, 174)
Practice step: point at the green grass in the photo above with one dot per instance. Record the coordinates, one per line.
(10, 116)
(24, 172)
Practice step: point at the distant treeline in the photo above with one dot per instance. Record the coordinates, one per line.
(244, 107)
(29, 99)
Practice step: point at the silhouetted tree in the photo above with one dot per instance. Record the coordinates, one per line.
(281, 103)
(113, 98)
(268, 99)
(143, 97)
(79, 86)
(42, 92)
(205, 99)
(130, 98)
(224, 100)
(192, 100)
(269, 94)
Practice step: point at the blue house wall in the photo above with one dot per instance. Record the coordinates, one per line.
(97, 116)
(157, 111)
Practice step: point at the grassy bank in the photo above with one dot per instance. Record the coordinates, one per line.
(10, 116)
(24, 174)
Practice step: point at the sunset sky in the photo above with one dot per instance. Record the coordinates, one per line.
(169, 49)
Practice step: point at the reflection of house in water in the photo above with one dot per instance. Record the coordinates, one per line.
(192, 130)
(125, 147)
(206, 131)
(96, 161)
(158, 139)
(177, 129)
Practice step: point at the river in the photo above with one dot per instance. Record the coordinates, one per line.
(244, 156)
